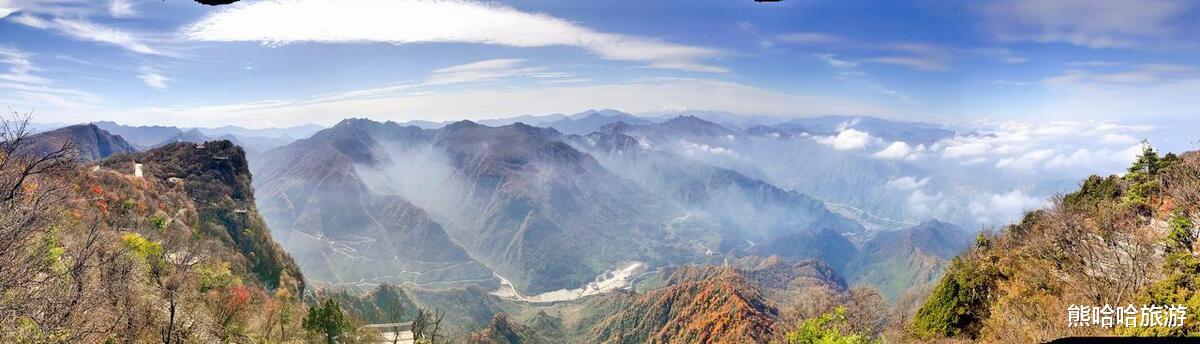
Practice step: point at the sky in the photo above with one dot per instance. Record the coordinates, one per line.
(291, 62)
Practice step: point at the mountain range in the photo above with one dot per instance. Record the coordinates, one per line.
(255, 140)
(498, 219)
(529, 207)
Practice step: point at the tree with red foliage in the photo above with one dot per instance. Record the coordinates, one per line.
(232, 303)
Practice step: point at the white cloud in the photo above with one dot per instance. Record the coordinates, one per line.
(24, 88)
(1118, 138)
(692, 149)
(908, 183)
(153, 78)
(1027, 161)
(567, 80)
(899, 150)
(922, 204)
(916, 55)
(1002, 208)
(19, 67)
(1084, 157)
(920, 63)
(82, 29)
(833, 61)
(1121, 127)
(1089, 23)
(966, 149)
(481, 71)
(1137, 74)
(847, 139)
(1065, 148)
(121, 9)
(426, 21)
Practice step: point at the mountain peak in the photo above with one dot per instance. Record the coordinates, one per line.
(602, 113)
(464, 124)
(701, 304)
(931, 223)
(354, 121)
(89, 140)
(696, 125)
(615, 127)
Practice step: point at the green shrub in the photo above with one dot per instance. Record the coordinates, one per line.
(958, 304)
(829, 328)
(159, 221)
(149, 251)
(216, 276)
(1179, 286)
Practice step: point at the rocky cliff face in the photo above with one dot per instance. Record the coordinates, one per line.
(216, 177)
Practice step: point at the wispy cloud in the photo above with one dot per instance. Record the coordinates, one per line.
(23, 87)
(1136, 74)
(406, 102)
(19, 67)
(835, 62)
(121, 9)
(151, 77)
(913, 55)
(912, 62)
(921, 56)
(82, 29)
(1000, 54)
(1094, 63)
(426, 21)
(480, 71)
(809, 37)
(1089, 23)
(845, 70)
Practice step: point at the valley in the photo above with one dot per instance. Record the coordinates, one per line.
(532, 233)
(599, 172)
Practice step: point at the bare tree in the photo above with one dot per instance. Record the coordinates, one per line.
(174, 276)
(427, 326)
(33, 261)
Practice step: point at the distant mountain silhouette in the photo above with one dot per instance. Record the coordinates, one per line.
(90, 142)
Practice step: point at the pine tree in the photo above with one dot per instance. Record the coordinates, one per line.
(1146, 163)
(327, 319)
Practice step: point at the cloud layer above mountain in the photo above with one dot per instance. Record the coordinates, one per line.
(426, 21)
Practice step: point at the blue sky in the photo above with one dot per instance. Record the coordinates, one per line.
(276, 63)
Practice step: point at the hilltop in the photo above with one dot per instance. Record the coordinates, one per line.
(95, 253)
(1117, 240)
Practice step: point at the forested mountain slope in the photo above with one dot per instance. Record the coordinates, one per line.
(1118, 241)
(95, 254)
